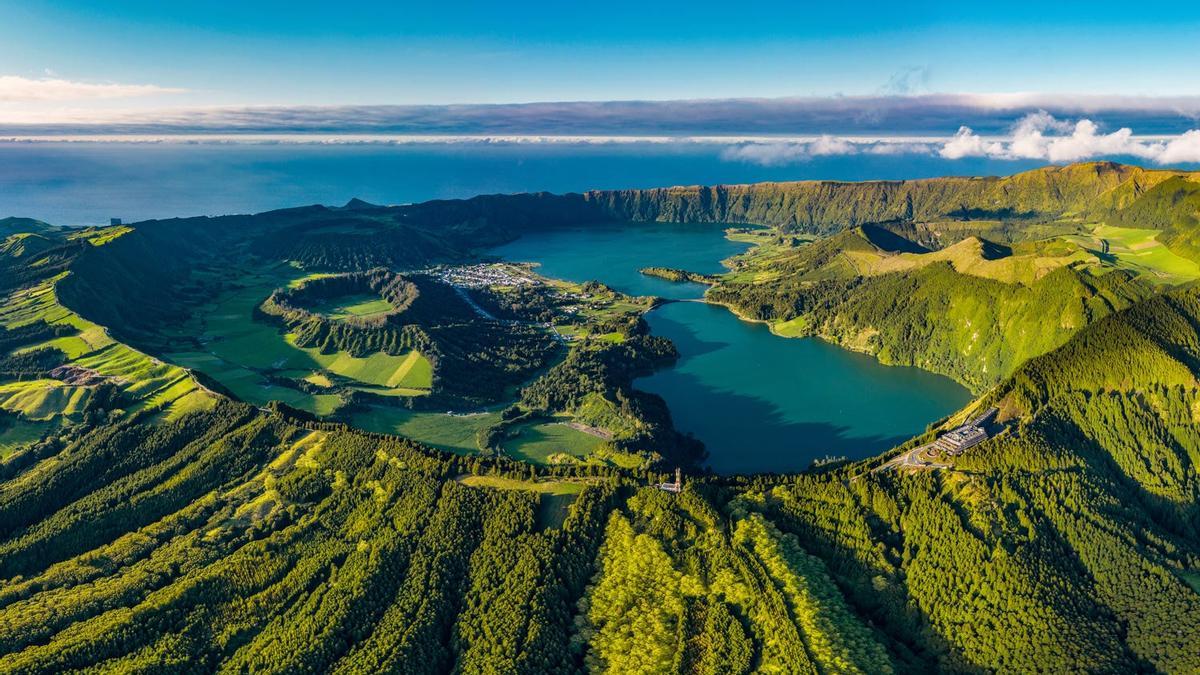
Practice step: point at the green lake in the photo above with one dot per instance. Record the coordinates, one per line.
(759, 402)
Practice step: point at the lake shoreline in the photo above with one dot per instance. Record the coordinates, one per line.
(759, 403)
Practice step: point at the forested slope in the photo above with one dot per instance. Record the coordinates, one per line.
(242, 540)
(239, 539)
(225, 537)
(1095, 189)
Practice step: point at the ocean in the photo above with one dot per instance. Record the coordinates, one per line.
(87, 183)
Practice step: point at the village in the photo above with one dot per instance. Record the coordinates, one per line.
(483, 275)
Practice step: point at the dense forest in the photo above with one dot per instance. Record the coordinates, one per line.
(248, 540)
(155, 523)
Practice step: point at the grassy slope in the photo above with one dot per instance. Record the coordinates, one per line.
(234, 540)
(147, 382)
(239, 349)
(538, 442)
(974, 310)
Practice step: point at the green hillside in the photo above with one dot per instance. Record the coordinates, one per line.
(1066, 540)
(231, 444)
(974, 311)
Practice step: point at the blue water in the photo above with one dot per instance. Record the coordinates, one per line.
(88, 183)
(614, 254)
(759, 402)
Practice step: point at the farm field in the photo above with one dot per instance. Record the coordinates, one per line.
(1139, 250)
(537, 442)
(241, 352)
(362, 305)
(453, 433)
(43, 400)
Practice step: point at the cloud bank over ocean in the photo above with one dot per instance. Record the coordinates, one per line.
(1037, 136)
(927, 114)
(768, 132)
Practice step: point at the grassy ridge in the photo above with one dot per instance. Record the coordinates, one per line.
(230, 538)
(974, 311)
(388, 554)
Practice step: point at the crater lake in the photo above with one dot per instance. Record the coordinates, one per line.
(759, 402)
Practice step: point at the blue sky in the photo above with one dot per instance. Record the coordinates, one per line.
(1052, 81)
(310, 53)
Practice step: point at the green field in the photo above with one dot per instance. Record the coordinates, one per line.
(453, 433)
(554, 497)
(240, 351)
(796, 327)
(20, 433)
(537, 442)
(1139, 250)
(363, 305)
(409, 370)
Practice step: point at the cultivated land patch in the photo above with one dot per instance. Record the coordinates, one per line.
(1140, 251)
(456, 433)
(539, 441)
(248, 356)
(360, 305)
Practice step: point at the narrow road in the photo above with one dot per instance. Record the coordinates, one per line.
(913, 459)
(462, 293)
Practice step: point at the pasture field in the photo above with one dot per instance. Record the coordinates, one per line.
(362, 305)
(19, 433)
(147, 381)
(796, 327)
(100, 236)
(239, 352)
(43, 400)
(537, 442)
(319, 379)
(408, 370)
(1139, 250)
(453, 433)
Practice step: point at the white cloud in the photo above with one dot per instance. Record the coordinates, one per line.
(778, 153)
(1182, 148)
(828, 145)
(1038, 136)
(767, 154)
(966, 144)
(14, 88)
(1042, 136)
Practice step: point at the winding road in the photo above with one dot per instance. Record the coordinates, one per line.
(912, 459)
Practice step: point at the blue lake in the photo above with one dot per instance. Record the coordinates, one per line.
(759, 402)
